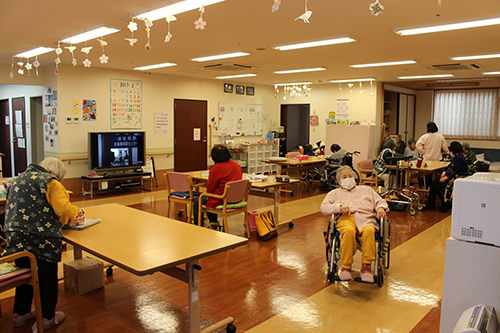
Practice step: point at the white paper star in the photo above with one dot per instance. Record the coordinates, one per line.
(57, 61)
(305, 17)
(104, 59)
(20, 71)
(132, 26)
(59, 50)
(74, 62)
(28, 66)
(87, 63)
(102, 42)
(11, 75)
(168, 37)
(199, 24)
(131, 41)
(86, 50)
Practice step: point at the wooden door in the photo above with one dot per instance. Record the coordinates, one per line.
(190, 135)
(18, 124)
(37, 143)
(296, 126)
(6, 140)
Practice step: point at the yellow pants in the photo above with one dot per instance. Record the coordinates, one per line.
(348, 231)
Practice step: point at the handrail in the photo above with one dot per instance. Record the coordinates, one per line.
(69, 160)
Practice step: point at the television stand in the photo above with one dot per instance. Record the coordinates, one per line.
(123, 180)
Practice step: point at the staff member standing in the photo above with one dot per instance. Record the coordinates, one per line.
(431, 143)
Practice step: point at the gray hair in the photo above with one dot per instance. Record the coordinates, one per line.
(389, 143)
(342, 168)
(466, 145)
(54, 166)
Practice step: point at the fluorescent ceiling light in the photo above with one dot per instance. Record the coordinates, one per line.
(446, 27)
(173, 9)
(301, 70)
(221, 56)
(314, 43)
(166, 64)
(352, 80)
(91, 34)
(235, 76)
(34, 52)
(490, 73)
(481, 56)
(423, 76)
(380, 64)
(291, 84)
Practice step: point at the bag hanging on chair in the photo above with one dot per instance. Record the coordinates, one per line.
(266, 226)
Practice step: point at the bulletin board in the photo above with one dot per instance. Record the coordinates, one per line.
(240, 119)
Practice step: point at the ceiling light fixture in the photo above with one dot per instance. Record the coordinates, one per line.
(314, 43)
(491, 73)
(173, 9)
(166, 64)
(380, 64)
(235, 76)
(480, 56)
(423, 76)
(305, 70)
(220, 56)
(446, 27)
(91, 34)
(291, 84)
(34, 52)
(352, 80)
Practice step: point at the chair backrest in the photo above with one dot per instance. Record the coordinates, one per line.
(237, 190)
(365, 164)
(292, 154)
(177, 181)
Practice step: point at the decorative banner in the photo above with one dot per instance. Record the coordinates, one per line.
(126, 104)
(89, 110)
(75, 106)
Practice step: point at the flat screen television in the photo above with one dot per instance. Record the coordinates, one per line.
(117, 150)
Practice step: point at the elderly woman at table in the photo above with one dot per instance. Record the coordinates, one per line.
(357, 208)
(223, 171)
(388, 148)
(37, 207)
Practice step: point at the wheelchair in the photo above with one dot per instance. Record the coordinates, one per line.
(382, 253)
(329, 177)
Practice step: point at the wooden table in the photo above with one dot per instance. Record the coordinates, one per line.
(294, 164)
(144, 243)
(259, 188)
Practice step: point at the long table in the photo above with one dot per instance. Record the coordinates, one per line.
(259, 188)
(143, 243)
(292, 164)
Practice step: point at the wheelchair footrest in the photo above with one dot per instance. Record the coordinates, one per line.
(358, 279)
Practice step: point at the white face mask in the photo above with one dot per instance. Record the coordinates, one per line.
(348, 183)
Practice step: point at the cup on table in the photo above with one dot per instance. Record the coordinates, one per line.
(272, 179)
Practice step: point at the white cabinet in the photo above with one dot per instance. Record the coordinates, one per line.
(253, 154)
(352, 138)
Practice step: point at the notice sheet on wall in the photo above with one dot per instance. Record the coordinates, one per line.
(161, 121)
(126, 104)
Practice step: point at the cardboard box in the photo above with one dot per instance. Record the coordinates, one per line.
(83, 275)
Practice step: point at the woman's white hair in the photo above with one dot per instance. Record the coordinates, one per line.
(54, 166)
(342, 168)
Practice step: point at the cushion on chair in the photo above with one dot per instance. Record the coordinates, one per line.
(236, 205)
(184, 195)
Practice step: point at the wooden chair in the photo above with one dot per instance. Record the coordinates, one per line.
(180, 189)
(365, 167)
(234, 192)
(30, 276)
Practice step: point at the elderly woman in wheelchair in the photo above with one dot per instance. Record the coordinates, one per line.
(357, 208)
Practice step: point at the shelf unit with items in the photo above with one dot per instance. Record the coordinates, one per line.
(251, 158)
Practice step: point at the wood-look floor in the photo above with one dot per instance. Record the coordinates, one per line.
(266, 286)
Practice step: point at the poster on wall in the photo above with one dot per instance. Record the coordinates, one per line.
(89, 110)
(342, 108)
(126, 104)
(161, 122)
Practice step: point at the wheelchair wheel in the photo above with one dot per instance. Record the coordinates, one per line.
(412, 211)
(304, 175)
(380, 276)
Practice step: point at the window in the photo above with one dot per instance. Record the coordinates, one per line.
(468, 114)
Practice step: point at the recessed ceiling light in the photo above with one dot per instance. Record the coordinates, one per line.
(380, 64)
(491, 73)
(353, 80)
(305, 70)
(479, 56)
(446, 27)
(220, 56)
(34, 52)
(235, 76)
(314, 43)
(291, 84)
(173, 9)
(424, 76)
(166, 64)
(91, 34)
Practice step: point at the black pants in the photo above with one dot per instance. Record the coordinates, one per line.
(47, 277)
(436, 189)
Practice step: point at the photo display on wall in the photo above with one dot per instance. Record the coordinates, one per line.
(126, 104)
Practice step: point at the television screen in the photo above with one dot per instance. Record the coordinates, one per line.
(117, 150)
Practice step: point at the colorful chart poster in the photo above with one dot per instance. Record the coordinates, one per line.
(126, 104)
(89, 110)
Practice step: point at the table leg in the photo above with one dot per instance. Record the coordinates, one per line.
(193, 274)
(77, 252)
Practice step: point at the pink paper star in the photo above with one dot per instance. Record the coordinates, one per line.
(87, 63)
(199, 24)
(276, 6)
(103, 59)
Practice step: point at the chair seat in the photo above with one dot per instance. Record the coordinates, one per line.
(184, 195)
(221, 209)
(6, 279)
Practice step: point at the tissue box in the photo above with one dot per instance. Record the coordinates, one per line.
(83, 275)
(302, 157)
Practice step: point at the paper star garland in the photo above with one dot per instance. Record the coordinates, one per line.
(305, 17)
(74, 62)
(376, 8)
(276, 6)
(199, 24)
(103, 58)
(36, 63)
(86, 50)
(72, 49)
(169, 19)
(87, 63)
(148, 23)
(131, 41)
(11, 74)
(132, 26)
(58, 51)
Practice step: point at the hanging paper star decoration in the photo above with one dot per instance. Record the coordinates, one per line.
(87, 63)
(131, 41)
(305, 17)
(58, 51)
(86, 49)
(199, 24)
(376, 8)
(148, 23)
(103, 58)
(132, 26)
(36, 63)
(169, 19)
(276, 6)
(11, 74)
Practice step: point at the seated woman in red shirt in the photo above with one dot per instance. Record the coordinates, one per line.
(223, 171)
